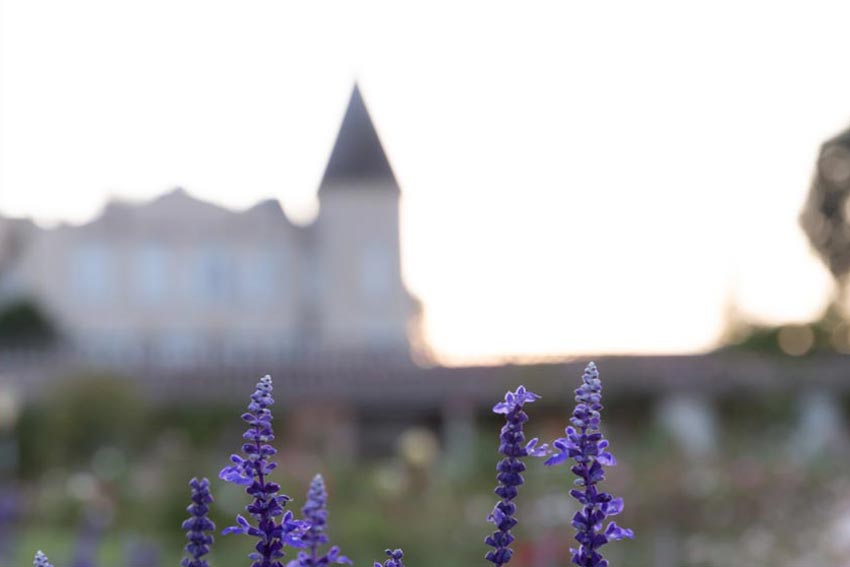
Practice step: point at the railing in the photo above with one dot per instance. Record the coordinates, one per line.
(373, 378)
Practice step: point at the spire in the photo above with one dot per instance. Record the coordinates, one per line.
(357, 154)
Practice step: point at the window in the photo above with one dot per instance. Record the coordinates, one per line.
(91, 276)
(260, 280)
(214, 278)
(151, 273)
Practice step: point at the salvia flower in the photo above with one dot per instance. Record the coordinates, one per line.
(315, 513)
(585, 445)
(394, 560)
(41, 560)
(271, 526)
(198, 524)
(513, 447)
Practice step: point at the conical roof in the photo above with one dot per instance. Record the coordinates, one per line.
(357, 155)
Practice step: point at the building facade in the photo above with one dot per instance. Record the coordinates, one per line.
(178, 278)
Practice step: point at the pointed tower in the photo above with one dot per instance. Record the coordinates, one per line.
(358, 159)
(361, 304)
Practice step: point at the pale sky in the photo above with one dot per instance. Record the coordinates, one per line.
(577, 177)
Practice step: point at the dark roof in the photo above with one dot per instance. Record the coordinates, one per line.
(357, 154)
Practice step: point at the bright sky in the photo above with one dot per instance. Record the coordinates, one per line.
(577, 177)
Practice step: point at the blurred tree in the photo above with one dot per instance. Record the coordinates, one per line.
(826, 214)
(23, 323)
(825, 219)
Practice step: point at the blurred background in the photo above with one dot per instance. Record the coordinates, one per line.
(401, 212)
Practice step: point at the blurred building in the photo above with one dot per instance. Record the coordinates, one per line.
(178, 278)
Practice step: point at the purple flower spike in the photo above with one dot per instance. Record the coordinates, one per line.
(41, 560)
(586, 446)
(197, 525)
(315, 513)
(394, 560)
(271, 526)
(513, 447)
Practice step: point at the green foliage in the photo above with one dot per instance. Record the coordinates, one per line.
(439, 520)
(203, 425)
(756, 409)
(436, 516)
(22, 323)
(78, 417)
(829, 333)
